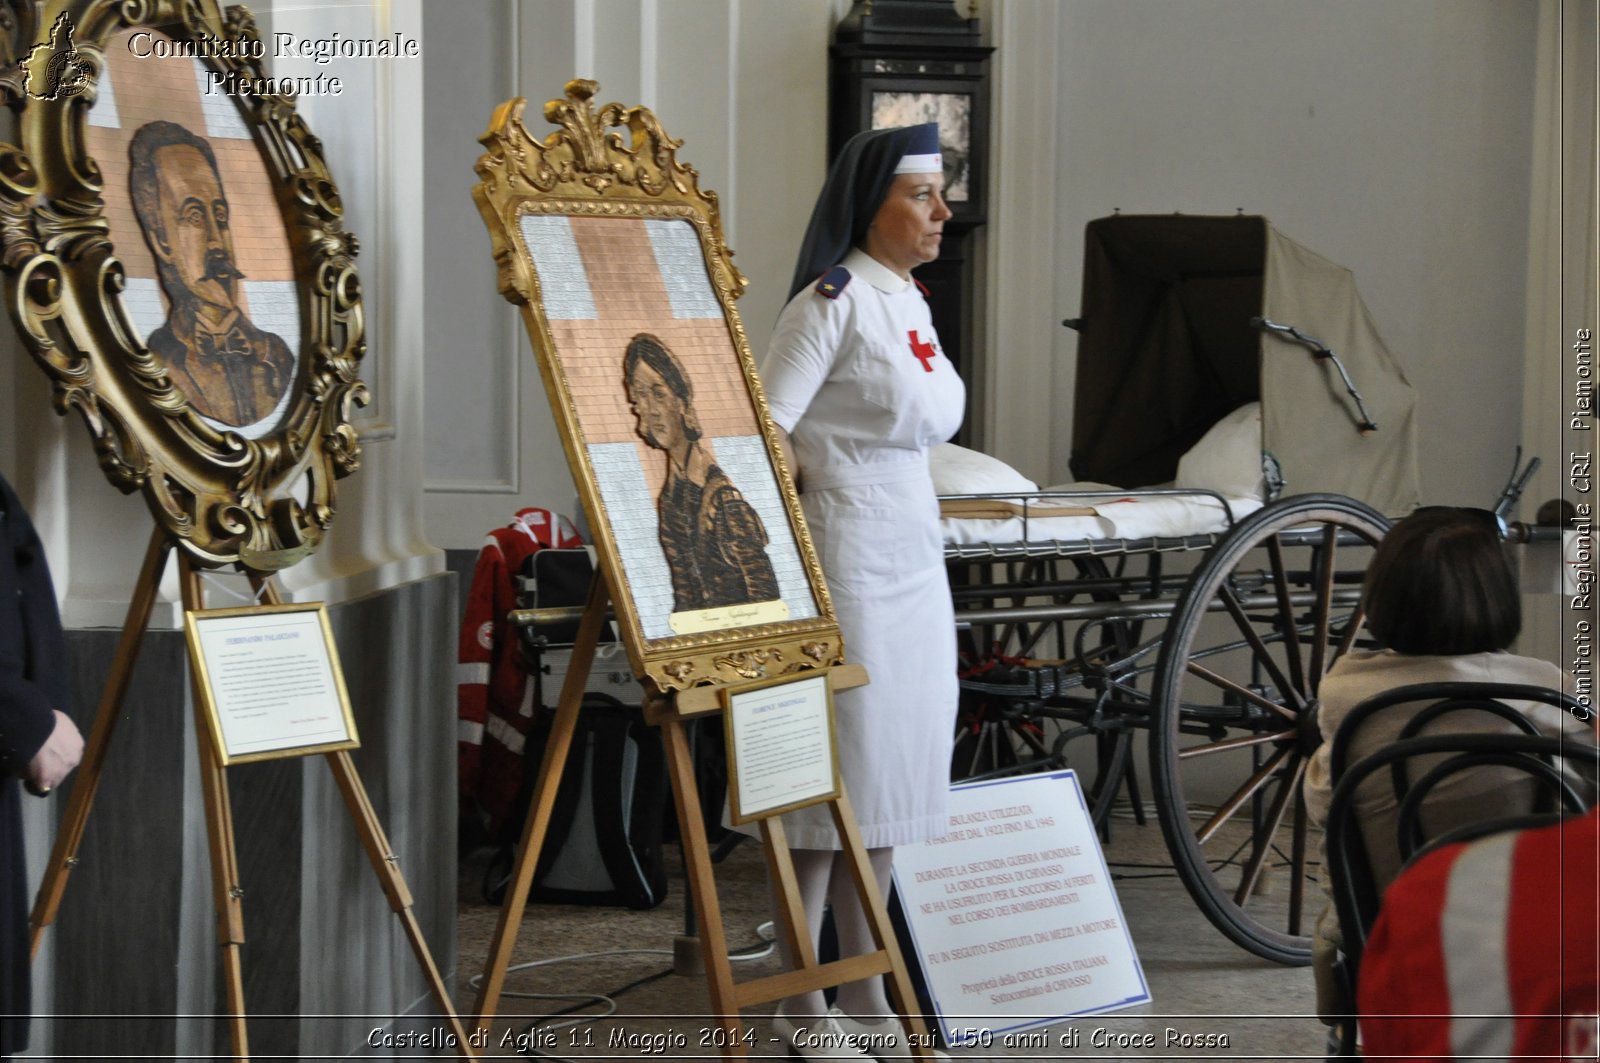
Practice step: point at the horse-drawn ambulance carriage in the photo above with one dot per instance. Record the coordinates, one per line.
(1242, 439)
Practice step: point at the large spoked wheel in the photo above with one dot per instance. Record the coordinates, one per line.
(1234, 713)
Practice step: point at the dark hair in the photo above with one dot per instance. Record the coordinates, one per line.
(142, 151)
(653, 353)
(1440, 583)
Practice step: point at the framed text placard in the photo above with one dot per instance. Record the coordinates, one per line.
(268, 678)
(1015, 919)
(782, 751)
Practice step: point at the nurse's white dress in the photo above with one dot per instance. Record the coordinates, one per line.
(863, 389)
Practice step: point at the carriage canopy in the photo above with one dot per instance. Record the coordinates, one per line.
(1170, 343)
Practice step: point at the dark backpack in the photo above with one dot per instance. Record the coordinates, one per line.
(604, 842)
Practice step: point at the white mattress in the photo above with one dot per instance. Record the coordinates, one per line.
(1117, 515)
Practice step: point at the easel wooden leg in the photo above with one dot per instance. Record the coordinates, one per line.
(670, 713)
(543, 801)
(727, 998)
(703, 886)
(794, 926)
(64, 854)
(901, 994)
(808, 976)
(385, 863)
(226, 892)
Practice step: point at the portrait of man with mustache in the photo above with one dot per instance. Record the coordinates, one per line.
(230, 370)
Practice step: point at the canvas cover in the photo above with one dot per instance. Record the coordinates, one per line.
(1167, 348)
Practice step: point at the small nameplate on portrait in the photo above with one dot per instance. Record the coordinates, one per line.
(723, 617)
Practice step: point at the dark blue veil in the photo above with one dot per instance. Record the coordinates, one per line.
(857, 183)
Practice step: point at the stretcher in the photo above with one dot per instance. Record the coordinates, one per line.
(1241, 440)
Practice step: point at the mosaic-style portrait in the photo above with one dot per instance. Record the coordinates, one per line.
(714, 541)
(211, 284)
(231, 371)
(616, 256)
(669, 427)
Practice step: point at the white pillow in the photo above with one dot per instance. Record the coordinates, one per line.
(959, 471)
(1228, 457)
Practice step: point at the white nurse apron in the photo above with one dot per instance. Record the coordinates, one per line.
(864, 390)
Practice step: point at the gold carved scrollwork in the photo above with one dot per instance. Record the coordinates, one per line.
(583, 160)
(615, 161)
(260, 502)
(749, 664)
(17, 24)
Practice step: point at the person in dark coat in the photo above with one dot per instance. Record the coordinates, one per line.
(39, 744)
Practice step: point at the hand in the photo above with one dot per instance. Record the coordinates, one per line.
(58, 756)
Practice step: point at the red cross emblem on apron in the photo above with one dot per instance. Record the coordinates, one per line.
(923, 350)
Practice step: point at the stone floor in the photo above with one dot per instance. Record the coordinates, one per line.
(1203, 988)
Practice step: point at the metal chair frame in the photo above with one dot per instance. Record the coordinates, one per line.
(1356, 896)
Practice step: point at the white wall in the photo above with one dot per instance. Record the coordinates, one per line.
(1391, 136)
(1562, 299)
(375, 148)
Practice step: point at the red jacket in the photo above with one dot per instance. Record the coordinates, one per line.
(1489, 950)
(494, 699)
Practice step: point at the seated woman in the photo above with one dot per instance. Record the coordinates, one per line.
(1442, 601)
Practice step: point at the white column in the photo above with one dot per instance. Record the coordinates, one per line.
(1562, 296)
(376, 148)
(1024, 372)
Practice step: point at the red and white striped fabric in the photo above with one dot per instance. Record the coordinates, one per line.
(494, 699)
(1489, 950)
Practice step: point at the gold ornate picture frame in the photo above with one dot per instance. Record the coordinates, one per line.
(176, 262)
(616, 257)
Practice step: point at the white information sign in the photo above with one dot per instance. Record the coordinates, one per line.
(781, 752)
(269, 679)
(1013, 914)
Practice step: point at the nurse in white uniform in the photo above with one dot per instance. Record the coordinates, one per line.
(856, 378)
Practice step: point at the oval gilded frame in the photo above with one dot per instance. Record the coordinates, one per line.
(260, 497)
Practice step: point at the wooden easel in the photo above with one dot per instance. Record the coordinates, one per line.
(227, 894)
(669, 711)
